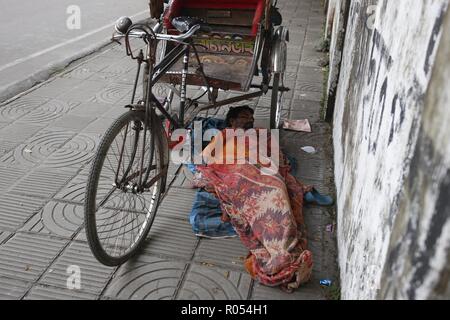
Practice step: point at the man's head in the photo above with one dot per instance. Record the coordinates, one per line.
(240, 117)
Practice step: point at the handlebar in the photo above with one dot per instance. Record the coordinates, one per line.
(159, 36)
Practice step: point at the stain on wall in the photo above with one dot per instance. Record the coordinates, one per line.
(336, 23)
(392, 239)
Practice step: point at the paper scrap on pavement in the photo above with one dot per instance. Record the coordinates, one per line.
(297, 125)
(308, 149)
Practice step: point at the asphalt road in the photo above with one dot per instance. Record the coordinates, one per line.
(36, 34)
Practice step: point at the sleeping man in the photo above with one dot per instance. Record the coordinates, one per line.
(264, 206)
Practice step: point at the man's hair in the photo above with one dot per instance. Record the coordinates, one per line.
(234, 113)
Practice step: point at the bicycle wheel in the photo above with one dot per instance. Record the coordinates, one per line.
(276, 104)
(118, 217)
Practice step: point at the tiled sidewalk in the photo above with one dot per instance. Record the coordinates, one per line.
(48, 137)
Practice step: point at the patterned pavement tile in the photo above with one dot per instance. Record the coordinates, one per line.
(26, 256)
(4, 236)
(313, 74)
(311, 115)
(88, 109)
(16, 210)
(211, 283)
(309, 291)
(171, 237)
(128, 77)
(319, 137)
(20, 107)
(37, 148)
(57, 218)
(78, 257)
(6, 145)
(179, 181)
(85, 91)
(87, 142)
(79, 73)
(19, 131)
(51, 137)
(73, 122)
(290, 76)
(311, 61)
(43, 182)
(309, 95)
(112, 93)
(55, 88)
(115, 111)
(106, 77)
(232, 252)
(264, 113)
(48, 112)
(12, 289)
(305, 85)
(100, 63)
(177, 204)
(99, 126)
(27, 155)
(43, 292)
(147, 278)
(9, 176)
(264, 102)
(311, 169)
(74, 191)
(68, 158)
(120, 68)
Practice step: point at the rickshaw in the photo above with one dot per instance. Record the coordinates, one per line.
(194, 47)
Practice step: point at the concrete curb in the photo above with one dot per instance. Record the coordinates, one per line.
(46, 72)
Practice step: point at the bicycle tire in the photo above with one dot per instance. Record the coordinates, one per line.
(96, 210)
(276, 102)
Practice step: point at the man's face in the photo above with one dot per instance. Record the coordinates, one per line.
(244, 120)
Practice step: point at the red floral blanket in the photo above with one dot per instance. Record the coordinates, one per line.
(266, 212)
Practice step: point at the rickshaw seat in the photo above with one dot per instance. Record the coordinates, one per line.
(177, 6)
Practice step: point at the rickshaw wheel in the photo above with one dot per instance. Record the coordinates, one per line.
(276, 104)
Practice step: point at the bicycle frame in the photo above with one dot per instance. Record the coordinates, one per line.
(181, 50)
(155, 73)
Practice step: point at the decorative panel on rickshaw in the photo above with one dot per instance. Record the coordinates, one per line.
(229, 52)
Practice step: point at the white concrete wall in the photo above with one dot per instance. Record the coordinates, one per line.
(331, 14)
(388, 61)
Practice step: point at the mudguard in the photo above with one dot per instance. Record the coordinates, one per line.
(279, 49)
(162, 140)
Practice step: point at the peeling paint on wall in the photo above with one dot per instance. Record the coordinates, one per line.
(388, 57)
(422, 225)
